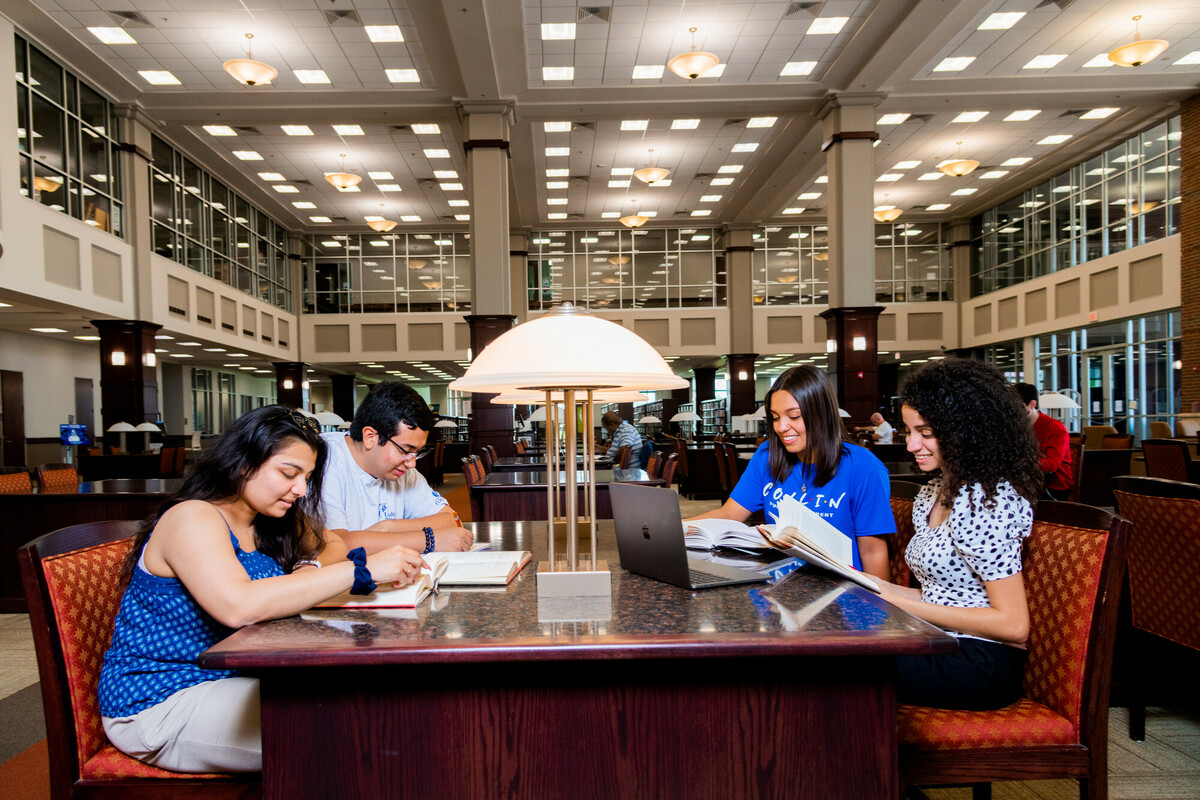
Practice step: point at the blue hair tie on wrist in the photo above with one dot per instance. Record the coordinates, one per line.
(362, 576)
(429, 542)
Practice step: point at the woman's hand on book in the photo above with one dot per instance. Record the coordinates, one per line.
(453, 539)
(397, 564)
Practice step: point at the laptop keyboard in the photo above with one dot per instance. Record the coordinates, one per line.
(699, 578)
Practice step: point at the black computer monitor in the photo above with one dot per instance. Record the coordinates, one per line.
(70, 434)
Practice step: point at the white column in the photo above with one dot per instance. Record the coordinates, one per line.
(488, 126)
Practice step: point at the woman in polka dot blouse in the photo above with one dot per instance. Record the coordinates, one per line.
(967, 425)
(241, 541)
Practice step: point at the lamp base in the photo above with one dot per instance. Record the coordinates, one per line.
(574, 609)
(586, 580)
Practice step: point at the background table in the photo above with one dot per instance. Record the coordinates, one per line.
(656, 692)
(514, 496)
(537, 463)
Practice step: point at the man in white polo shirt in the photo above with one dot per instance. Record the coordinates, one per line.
(373, 495)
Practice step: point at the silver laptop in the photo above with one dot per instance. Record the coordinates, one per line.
(650, 540)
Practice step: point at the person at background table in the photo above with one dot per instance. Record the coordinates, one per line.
(241, 541)
(968, 427)
(374, 495)
(882, 431)
(1054, 443)
(620, 434)
(808, 456)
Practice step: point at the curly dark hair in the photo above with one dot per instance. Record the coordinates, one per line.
(981, 426)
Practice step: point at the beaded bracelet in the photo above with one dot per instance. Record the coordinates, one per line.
(306, 562)
(429, 543)
(362, 576)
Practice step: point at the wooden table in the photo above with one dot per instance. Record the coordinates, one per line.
(28, 516)
(512, 496)
(537, 463)
(122, 465)
(656, 692)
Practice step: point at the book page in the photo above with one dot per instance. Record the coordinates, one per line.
(816, 529)
(705, 534)
(482, 566)
(385, 596)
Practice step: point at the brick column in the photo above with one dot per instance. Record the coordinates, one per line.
(1189, 272)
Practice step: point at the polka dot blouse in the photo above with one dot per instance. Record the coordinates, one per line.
(974, 544)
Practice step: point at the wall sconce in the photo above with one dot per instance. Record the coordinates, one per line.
(148, 359)
(118, 358)
(742, 375)
(859, 343)
(831, 345)
(288, 383)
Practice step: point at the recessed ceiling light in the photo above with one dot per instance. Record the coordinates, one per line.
(809, 196)
(730, 168)
(87, 338)
(384, 33)
(931, 176)
(558, 73)
(793, 68)
(954, 64)
(219, 130)
(558, 30)
(937, 207)
(906, 164)
(388, 187)
(445, 174)
(159, 77)
(556, 127)
(451, 187)
(437, 152)
(47, 330)
(459, 203)
(761, 122)
(551, 185)
(296, 130)
(402, 76)
(1022, 116)
(793, 211)
(642, 72)
(112, 35)
(634, 124)
(889, 177)
(823, 26)
(426, 128)
(164, 336)
(964, 191)
(622, 170)
(1000, 21)
(556, 201)
(410, 218)
(892, 119)
(1099, 113)
(1056, 139)
(720, 182)
(1016, 162)
(1191, 58)
(685, 124)
(1044, 62)
(462, 217)
(348, 130)
(188, 344)
(320, 219)
(744, 147)
(380, 176)
(271, 176)
(214, 349)
(285, 188)
(991, 175)
(247, 155)
(970, 116)
(618, 184)
(556, 215)
(311, 76)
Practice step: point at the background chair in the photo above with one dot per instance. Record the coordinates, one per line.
(903, 494)
(1187, 428)
(1164, 583)
(621, 457)
(1074, 562)
(57, 478)
(1161, 430)
(73, 587)
(669, 465)
(722, 470)
(655, 465)
(170, 461)
(15, 480)
(1117, 441)
(1093, 435)
(1169, 459)
(473, 471)
(1077, 453)
(685, 485)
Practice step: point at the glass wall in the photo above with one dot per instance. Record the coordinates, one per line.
(1121, 198)
(201, 223)
(386, 272)
(68, 140)
(627, 268)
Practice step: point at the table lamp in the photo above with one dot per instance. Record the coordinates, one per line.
(570, 351)
(122, 428)
(147, 428)
(445, 423)
(328, 419)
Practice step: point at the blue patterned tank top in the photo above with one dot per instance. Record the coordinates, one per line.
(160, 631)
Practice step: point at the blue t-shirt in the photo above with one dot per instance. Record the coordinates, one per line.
(856, 501)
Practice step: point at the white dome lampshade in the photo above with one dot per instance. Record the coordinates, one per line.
(843, 413)
(649, 419)
(686, 416)
(1139, 51)
(248, 71)
(694, 63)
(1056, 400)
(329, 418)
(121, 427)
(147, 427)
(445, 423)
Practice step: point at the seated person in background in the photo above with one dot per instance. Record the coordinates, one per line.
(882, 432)
(966, 424)
(621, 433)
(241, 541)
(808, 456)
(374, 495)
(1054, 443)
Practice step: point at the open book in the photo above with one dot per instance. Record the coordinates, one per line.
(473, 568)
(798, 530)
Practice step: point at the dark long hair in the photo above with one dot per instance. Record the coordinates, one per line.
(222, 470)
(387, 405)
(825, 435)
(982, 428)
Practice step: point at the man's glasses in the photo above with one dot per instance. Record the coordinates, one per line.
(415, 455)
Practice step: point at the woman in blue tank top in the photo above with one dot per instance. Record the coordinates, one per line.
(241, 541)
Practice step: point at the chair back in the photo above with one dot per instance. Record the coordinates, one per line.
(722, 468)
(1167, 458)
(1074, 561)
(489, 457)
(439, 454)
(734, 465)
(1187, 427)
(655, 464)
(1117, 441)
(1164, 584)
(903, 494)
(57, 478)
(1160, 430)
(1093, 435)
(473, 469)
(621, 457)
(682, 459)
(15, 480)
(520, 446)
(668, 473)
(1077, 452)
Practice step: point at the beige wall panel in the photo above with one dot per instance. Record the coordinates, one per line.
(1035, 306)
(249, 321)
(1066, 298)
(229, 315)
(380, 337)
(61, 254)
(205, 307)
(424, 336)
(887, 328)
(462, 337)
(701, 331)
(331, 338)
(283, 332)
(266, 330)
(1103, 289)
(785, 330)
(655, 331)
(923, 326)
(178, 297)
(1146, 278)
(107, 274)
(983, 320)
(1006, 314)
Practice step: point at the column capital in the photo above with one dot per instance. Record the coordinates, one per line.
(501, 108)
(135, 113)
(838, 100)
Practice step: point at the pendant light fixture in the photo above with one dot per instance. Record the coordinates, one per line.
(651, 173)
(634, 220)
(821, 256)
(959, 166)
(416, 263)
(382, 225)
(618, 261)
(1139, 51)
(886, 213)
(693, 64)
(432, 284)
(249, 72)
(343, 180)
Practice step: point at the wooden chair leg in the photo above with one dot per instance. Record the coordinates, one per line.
(1136, 687)
(981, 791)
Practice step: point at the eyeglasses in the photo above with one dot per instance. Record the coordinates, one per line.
(307, 423)
(415, 455)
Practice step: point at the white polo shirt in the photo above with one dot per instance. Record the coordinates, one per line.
(354, 500)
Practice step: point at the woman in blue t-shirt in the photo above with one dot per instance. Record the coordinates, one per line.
(809, 457)
(241, 541)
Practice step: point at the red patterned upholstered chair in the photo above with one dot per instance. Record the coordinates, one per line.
(474, 473)
(73, 588)
(1164, 571)
(1074, 563)
(1170, 459)
(57, 478)
(903, 494)
(1117, 441)
(15, 480)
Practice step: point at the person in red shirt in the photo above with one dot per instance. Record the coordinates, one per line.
(1052, 438)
